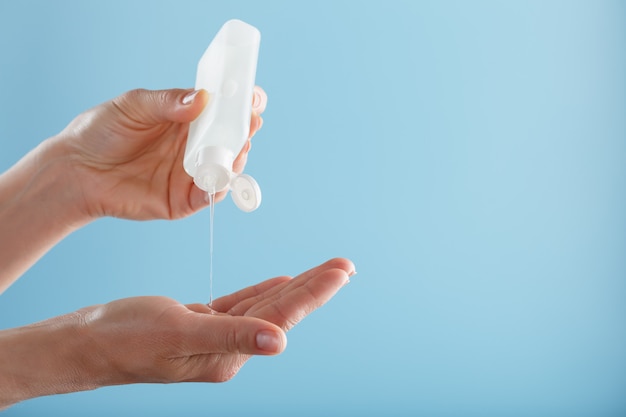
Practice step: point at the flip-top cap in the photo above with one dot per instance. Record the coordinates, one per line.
(245, 192)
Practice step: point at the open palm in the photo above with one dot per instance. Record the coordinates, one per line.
(157, 339)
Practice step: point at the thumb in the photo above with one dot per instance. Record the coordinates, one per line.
(150, 107)
(210, 333)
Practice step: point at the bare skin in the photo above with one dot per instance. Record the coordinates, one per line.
(124, 159)
(121, 159)
(158, 340)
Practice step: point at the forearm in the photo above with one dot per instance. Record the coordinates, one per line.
(51, 357)
(38, 208)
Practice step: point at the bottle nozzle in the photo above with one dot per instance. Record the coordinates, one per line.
(213, 174)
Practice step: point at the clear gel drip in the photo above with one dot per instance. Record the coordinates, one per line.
(211, 216)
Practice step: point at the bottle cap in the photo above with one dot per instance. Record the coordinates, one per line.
(245, 192)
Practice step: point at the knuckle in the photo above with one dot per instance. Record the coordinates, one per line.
(126, 104)
(132, 95)
(163, 97)
(232, 340)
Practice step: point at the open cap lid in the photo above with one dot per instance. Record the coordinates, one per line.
(245, 192)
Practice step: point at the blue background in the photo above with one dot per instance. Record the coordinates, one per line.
(469, 157)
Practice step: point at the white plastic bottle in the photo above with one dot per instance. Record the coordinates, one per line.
(227, 71)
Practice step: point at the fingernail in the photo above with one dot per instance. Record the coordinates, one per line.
(269, 341)
(190, 96)
(259, 100)
(353, 273)
(256, 100)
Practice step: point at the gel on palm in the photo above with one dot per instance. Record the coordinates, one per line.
(227, 71)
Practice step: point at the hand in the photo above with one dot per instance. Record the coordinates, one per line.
(127, 154)
(123, 158)
(156, 339)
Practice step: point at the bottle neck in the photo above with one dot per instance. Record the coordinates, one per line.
(213, 168)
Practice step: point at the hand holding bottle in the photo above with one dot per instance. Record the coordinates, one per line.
(126, 155)
(123, 158)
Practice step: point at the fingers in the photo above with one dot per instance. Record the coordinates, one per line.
(150, 107)
(240, 162)
(256, 122)
(271, 294)
(298, 299)
(210, 333)
(224, 304)
(338, 263)
(314, 281)
(259, 103)
(259, 100)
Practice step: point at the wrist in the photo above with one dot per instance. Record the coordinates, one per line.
(50, 357)
(39, 205)
(59, 182)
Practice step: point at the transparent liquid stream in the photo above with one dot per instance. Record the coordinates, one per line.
(211, 216)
